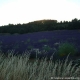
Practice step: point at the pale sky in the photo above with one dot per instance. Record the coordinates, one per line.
(24, 11)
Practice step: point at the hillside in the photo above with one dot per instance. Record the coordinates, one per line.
(41, 25)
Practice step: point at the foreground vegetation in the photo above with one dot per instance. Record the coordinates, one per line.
(21, 67)
(24, 68)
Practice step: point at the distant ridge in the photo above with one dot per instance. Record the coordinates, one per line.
(40, 25)
(43, 21)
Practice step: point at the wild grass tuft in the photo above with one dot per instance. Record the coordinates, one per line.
(23, 68)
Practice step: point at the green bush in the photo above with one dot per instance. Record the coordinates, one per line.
(46, 48)
(30, 47)
(66, 48)
(28, 40)
(43, 40)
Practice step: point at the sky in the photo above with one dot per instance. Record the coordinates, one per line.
(24, 11)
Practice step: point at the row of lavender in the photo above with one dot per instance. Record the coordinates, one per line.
(38, 40)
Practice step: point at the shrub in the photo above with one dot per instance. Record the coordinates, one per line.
(46, 48)
(28, 40)
(43, 40)
(66, 48)
(30, 47)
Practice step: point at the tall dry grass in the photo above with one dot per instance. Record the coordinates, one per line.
(22, 68)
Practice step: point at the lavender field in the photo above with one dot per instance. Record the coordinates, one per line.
(47, 42)
(44, 44)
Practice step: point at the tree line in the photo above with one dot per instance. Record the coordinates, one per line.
(41, 25)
